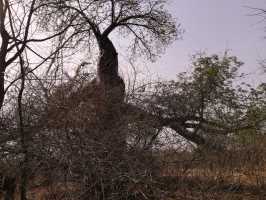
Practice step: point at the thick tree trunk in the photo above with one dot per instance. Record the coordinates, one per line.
(112, 92)
(108, 61)
(111, 136)
(107, 73)
(111, 84)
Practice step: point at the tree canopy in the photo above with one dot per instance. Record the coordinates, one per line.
(147, 23)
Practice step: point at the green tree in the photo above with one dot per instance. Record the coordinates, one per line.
(205, 107)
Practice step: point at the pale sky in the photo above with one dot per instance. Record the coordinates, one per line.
(214, 26)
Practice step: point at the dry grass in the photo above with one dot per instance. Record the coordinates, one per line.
(237, 174)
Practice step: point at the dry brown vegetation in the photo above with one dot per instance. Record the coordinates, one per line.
(71, 133)
(238, 174)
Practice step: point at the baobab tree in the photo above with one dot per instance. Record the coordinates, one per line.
(148, 29)
(146, 24)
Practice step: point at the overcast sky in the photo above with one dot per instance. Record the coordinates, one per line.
(214, 26)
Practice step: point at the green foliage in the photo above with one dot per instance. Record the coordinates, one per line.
(207, 103)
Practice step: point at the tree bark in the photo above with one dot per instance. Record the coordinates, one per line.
(112, 92)
(108, 61)
(2, 88)
(3, 52)
(176, 125)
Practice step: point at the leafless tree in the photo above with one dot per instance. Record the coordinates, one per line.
(150, 28)
(19, 30)
(147, 23)
(20, 16)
